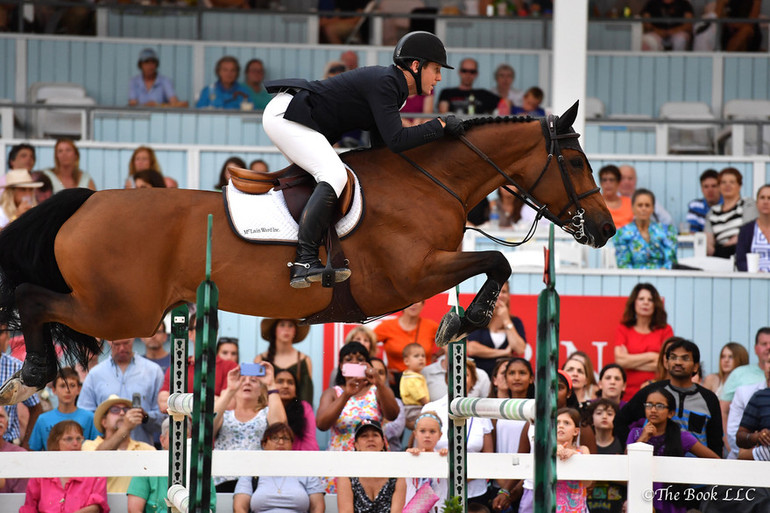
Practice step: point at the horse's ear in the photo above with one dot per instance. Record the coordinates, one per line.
(566, 119)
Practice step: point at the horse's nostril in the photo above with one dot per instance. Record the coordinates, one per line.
(608, 230)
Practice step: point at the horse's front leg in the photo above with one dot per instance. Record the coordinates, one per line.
(458, 267)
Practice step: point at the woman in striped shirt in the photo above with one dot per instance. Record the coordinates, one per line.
(724, 221)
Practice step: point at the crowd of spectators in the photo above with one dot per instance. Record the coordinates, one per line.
(655, 392)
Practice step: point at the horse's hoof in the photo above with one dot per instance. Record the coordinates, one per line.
(15, 391)
(448, 329)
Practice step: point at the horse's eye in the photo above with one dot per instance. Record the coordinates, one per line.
(577, 163)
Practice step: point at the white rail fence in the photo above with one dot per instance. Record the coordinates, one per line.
(639, 468)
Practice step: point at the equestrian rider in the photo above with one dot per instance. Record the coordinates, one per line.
(304, 119)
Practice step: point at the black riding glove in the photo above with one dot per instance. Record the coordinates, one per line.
(454, 126)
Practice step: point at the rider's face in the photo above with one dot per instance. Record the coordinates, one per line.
(431, 75)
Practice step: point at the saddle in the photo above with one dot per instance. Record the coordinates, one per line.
(296, 183)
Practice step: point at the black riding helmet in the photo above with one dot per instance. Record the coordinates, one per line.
(421, 47)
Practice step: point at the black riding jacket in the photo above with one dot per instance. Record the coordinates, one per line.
(366, 98)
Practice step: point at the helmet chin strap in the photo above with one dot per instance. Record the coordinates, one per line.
(417, 76)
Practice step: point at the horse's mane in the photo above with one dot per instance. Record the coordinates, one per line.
(469, 123)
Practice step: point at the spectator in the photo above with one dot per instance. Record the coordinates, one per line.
(436, 377)
(67, 174)
(282, 334)
(466, 99)
(18, 195)
(149, 179)
(607, 496)
(350, 59)
(143, 159)
(628, 186)
(149, 88)
(501, 338)
(395, 334)
(8, 367)
(581, 387)
(352, 399)
(66, 387)
(257, 405)
(125, 374)
(426, 435)
(299, 413)
(254, 76)
(732, 356)
(754, 431)
(224, 174)
(754, 237)
(393, 429)
(9, 485)
(355, 493)
(259, 166)
(333, 68)
(640, 335)
(697, 408)
(723, 222)
(414, 389)
(619, 206)
(154, 349)
(667, 35)
(747, 374)
(520, 380)
(117, 419)
(698, 209)
(667, 439)
(227, 349)
(569, 493)
(530, 104)
(226, 92)
(77, 494)
(509, 97)
(44, 192)
(363, 335)
(147, 494)
(287, 494)
(740, 37)
(21, 156)
(643, 243)
(499, 388)
(737, 406)
(417, 104)
(612, 383)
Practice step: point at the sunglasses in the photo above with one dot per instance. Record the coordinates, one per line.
(117, 410)
(471, 71)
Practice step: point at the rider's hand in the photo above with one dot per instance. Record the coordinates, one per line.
(454, 126)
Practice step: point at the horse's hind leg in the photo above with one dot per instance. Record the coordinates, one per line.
(40, 365)
(459, 267)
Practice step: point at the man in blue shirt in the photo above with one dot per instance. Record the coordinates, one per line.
(149, 88)
(125, 374)
(8, 366)
(226, 92)
(697, 209)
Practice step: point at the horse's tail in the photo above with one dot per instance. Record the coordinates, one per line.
(27, 256)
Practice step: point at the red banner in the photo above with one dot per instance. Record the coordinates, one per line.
(588, 323)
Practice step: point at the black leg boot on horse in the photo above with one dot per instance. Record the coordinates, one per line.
(313, 225)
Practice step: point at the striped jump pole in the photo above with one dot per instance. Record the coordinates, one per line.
(491, 408)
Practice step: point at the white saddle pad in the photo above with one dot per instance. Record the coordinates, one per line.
(266, 218)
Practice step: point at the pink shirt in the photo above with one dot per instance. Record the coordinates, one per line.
(307, 442)
(46, 495)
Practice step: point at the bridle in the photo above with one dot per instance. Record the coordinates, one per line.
(575, 225)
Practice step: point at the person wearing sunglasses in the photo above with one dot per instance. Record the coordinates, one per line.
(285, 493)
(466, 99)
(115, 418)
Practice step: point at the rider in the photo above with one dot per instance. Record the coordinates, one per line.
(305, 118)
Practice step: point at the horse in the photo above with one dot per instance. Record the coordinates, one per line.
(84, 266)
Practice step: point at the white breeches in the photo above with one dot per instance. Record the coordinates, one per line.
(302, 145)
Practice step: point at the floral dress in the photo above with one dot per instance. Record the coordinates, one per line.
(633, 252)
(570, 497)
(237, 435)
(357, 408)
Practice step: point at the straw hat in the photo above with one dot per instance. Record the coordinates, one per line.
(21, 178)
(101, 411)
(267, 328)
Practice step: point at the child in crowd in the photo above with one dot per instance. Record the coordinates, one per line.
(427, 431)
(66, 387)
(530, 105)
(612, 383)
(667, 439)
(570, 495)
(606, 496)
(413, 387)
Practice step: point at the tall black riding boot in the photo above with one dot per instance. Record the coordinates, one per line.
(313, 225)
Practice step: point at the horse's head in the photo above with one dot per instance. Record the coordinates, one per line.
(565, 190)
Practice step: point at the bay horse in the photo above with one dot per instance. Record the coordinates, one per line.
(110, 264)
